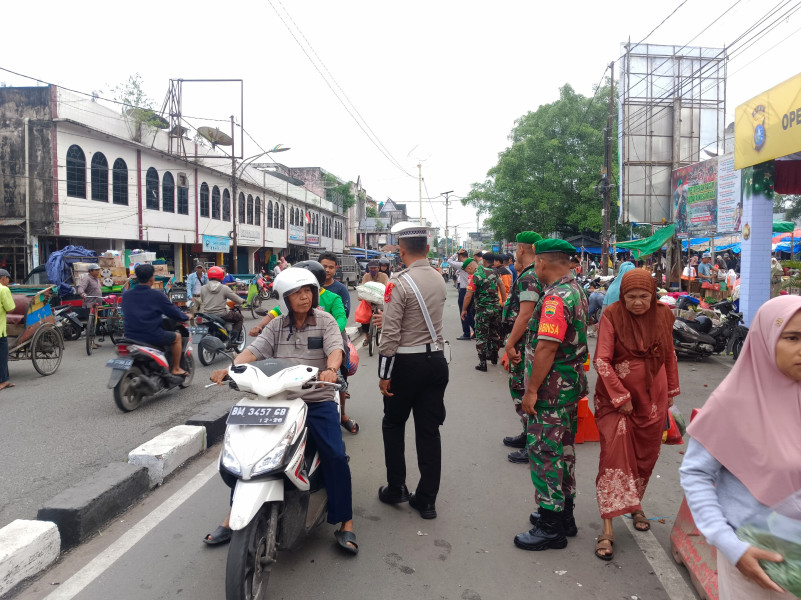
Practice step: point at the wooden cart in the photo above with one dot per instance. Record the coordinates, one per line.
(32, 331)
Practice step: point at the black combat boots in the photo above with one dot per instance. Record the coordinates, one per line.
(482, 363)
(493, 358)
(548, 533)
(567, 516)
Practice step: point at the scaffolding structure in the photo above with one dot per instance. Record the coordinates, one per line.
(671, 107)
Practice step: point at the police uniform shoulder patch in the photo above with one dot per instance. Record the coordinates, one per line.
(388, 291)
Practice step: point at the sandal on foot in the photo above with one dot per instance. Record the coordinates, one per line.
(347, 541)
(221, 535)
(603, 548)
(639, 520)
(351, 426)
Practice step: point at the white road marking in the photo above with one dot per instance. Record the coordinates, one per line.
(96, 567)
(662, 564)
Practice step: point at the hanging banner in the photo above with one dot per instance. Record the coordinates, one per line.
(706, 198)
(215, 243)
(769, 125)
(297, 234)
(730, 203)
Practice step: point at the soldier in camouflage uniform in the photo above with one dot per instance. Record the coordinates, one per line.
(518, 309)
(483, 287)
(555, 381)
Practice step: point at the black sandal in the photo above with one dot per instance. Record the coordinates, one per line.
(347, 541)
(351, 426)
(221, 535)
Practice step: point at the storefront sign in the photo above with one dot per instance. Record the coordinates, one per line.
(297, 234)
(249, 235)
(769, 125)
(312, 240)
(215, 243)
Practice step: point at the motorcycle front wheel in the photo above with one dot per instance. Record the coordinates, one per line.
(251, 556)
(241, 343)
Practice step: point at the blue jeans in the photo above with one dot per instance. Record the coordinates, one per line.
(4, 376)
(469, 321)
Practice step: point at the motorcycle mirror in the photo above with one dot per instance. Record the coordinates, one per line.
(212, 344)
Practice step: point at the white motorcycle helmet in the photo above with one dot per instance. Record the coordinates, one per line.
(289, 281)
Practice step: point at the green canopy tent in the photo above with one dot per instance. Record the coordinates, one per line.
(649, 245)
(783, 226)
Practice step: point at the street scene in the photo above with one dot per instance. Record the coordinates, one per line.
(448, 302)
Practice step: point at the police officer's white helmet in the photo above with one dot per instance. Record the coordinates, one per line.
(289, 281)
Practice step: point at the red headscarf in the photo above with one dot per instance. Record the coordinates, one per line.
(648, 336)
(752, 422)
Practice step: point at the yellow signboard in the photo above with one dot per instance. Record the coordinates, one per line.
(769, 125)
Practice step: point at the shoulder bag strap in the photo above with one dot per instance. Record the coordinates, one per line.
(423, 307)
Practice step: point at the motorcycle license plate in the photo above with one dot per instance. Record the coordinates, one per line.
(257, 415)
(120, 363)
(196, 330)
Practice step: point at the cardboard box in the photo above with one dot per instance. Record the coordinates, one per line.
(161, 269)
(119, 272)
(109, 262)
(158, 285)
(80, 267)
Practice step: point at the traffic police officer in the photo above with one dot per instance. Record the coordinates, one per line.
(413, 371)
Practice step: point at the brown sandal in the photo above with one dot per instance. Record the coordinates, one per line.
(640, 519)
(604, 544)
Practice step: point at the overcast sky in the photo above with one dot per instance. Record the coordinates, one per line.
(437, 81)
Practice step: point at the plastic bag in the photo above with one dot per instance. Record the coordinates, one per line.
(778, 529)
(671, 435)
(680, 421)
(364, 312)
(352, 360)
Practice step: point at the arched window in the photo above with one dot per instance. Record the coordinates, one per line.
(119, 182)
(276, 214)
(269, 213)
(204, 200)
(226, 213)
(241, 207)
(250, 210)
(257, 212)
(298, 220)
(215, 202)
(282, 226)
(99, 177)
(76, 172)
(152, 189)
(168, 193)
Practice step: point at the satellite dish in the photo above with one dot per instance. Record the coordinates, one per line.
(143, 114)
(215, 136)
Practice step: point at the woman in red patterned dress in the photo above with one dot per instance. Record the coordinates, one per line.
(637, 380)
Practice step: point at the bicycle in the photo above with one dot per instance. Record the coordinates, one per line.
(105, 319)
(374, 333)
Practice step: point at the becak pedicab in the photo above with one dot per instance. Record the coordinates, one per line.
(32, 331)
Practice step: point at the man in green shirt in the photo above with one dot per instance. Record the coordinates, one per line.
(6, 306)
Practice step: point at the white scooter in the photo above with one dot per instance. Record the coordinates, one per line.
(279, 494)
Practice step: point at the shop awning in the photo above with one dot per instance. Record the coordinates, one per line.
(649, 245)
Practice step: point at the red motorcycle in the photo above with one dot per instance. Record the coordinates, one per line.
(263, 291)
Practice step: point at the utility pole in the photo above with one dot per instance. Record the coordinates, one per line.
(234, 201)
(420, 186)
(607, 173)
(447, 206)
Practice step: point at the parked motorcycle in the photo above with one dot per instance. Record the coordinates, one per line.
(212, 325)
(279, 494)
(728, 336)
(140, 371)
(68, 319)
(263, 292)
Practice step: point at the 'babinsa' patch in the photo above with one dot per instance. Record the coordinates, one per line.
(388, 292)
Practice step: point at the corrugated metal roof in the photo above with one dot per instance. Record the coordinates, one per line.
(11, 222)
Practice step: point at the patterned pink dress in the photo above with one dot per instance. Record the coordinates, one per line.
(630, 444)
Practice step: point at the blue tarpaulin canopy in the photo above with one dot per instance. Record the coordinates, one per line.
(58, 265)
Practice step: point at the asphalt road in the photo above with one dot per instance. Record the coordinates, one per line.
(155, 550)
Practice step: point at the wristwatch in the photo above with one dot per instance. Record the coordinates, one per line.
(333, 370)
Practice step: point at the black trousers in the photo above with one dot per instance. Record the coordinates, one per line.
(469, 321)
(418, 384)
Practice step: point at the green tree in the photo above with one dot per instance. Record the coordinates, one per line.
(338, 192)
(546, 179)
(371, 211)
(136, 104)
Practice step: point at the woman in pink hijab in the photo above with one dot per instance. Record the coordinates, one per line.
(745, 451)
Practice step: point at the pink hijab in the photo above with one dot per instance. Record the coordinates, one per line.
(752, 422)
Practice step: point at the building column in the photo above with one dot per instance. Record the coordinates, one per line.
(757, 206)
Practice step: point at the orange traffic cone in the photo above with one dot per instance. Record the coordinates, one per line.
(587, 430)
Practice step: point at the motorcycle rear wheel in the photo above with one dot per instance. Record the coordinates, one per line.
(251, 556)
(126, 397)
(206, 357)
(242, 342)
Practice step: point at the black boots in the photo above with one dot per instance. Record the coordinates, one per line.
(567, 517)
(493, 357)
(482, 363)
(548, 533)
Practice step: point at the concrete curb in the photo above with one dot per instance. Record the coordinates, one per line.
(166, 452)
(26, 547)
(213, 418)
(80, 511)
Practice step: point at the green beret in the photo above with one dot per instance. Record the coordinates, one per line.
(528, 237)
(467, 262)
(553, 245)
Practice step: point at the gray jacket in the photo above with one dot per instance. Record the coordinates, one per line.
(213, 296)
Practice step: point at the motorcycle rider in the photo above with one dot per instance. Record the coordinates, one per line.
(144, 307)
(311, 337)
(213, 297)
(383, 267)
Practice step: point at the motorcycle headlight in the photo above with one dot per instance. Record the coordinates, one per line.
(275, 457)
(228, 459)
